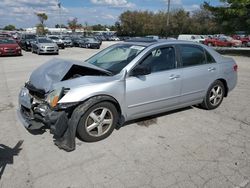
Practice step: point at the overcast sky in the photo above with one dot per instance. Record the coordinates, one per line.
(21, 12)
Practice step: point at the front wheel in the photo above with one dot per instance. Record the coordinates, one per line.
(98, 122)
(214, 96)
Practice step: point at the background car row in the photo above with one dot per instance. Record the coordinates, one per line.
(219, 40)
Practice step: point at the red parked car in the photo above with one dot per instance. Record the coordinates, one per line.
(9, 46)
(244, 39)
(223, 42)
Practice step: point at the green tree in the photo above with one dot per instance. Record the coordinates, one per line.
(73, 24)
(40, 28)
(62, 26)
(203, 22)
(42, 17)
(9, 28)
(234, 16)
(98, 27)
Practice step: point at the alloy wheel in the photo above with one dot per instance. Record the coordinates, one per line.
(99, 122)
(216, 95)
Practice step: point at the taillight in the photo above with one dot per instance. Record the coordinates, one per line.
(235, 67)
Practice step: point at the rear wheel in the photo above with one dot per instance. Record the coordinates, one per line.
(244, 44)
(214, 96)
(98, 122)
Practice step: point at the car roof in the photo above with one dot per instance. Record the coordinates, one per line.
(150, 42)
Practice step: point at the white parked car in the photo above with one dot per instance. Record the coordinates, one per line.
(193, 38)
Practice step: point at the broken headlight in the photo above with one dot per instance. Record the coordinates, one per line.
(55, 96)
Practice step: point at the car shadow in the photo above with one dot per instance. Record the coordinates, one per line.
(151, 120)
(7, 155)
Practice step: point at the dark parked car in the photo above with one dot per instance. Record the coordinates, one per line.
(89, 43)
(126, 81)
(26, 40)
(76, 40)
(9, 46)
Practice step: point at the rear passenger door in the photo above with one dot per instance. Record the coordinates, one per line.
(199, 70)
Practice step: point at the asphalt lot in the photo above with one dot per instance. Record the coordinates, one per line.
(186, 148)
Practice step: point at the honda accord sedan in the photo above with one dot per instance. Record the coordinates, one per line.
(123, 82)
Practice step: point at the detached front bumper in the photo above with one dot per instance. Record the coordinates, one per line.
(35, 115)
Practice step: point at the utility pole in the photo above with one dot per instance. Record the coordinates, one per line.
(168, 18)
(168, 13)
(60, 24)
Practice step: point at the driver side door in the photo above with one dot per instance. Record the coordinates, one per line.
(158, 91)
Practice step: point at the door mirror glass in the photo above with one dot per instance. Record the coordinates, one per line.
(140, 70)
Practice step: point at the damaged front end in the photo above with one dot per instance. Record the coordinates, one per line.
(38, 110)
(55, 89)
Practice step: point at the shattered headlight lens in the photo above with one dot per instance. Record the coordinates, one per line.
(55, 96)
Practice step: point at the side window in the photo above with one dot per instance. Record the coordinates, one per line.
(210, 58)
(192, 56)
(160, 59)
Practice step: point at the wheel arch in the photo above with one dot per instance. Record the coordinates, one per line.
(111, 99)
(225, 86)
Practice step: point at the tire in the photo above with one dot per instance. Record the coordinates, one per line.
(214, 96)
(96, 116)
(244, 44)
(210, 44)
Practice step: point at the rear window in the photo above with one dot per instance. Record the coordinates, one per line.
(209, 57)
(192, 55)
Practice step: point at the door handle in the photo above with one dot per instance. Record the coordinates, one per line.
(211, 69)
(174, 77)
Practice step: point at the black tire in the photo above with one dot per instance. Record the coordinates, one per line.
(85, 119)
(210, 44)
(209, 103)
(244, 44)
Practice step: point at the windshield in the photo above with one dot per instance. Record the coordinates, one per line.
(91, 40)
(7, 41)
(44, 40)
(116, 57)
(30, 36)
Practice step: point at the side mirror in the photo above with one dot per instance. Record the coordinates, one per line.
(140, 70)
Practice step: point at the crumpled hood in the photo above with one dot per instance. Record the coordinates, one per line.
(58, 70)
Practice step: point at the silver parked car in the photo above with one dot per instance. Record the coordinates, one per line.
(44, 46)
(123, 82)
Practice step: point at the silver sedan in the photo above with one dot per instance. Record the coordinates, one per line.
(44, 46)
(126, 81)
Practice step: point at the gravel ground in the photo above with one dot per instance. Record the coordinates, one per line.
(186, 148)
